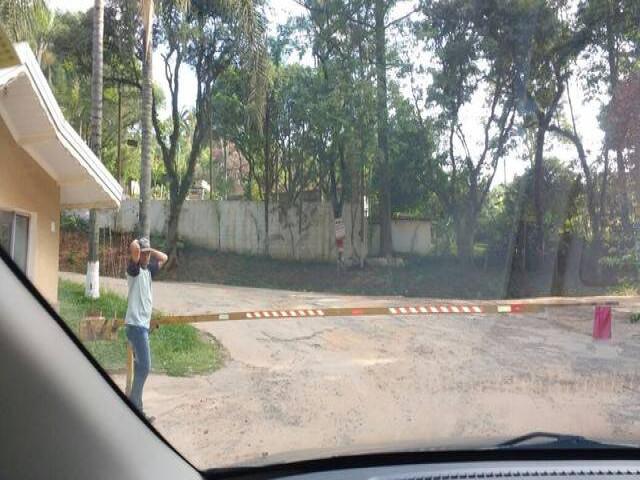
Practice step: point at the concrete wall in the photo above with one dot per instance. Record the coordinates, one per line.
(26, 188)
(412, 237)
(306, 234)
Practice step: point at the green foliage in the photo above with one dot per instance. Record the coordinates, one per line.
(510, 208)
(207, 38)
(74, 305)
(74, 223)
(70, 79)
(303, 127)
(30, 21)
(411, 148)
(626, 261)
(467, 62)
(611, 24)
(180, 351)
(619, 266)
(177, 350)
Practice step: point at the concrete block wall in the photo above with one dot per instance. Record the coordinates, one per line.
(294, 234)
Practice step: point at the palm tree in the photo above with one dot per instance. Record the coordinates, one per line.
(250, 19)
(144, 228)
(29, 21)
(92, 285)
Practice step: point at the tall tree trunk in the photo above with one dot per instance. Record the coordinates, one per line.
(604, 187)
(333, 191)
(612, 57)
(119, 139)
(590, 182)
(144, 227)
(625, 209)
(267, 172)
(538, 174)
(364, 236)
(223, 144)
(226, 171)
(465, 236)
(175, 207)
(92, 284)
(386, 244)
(510, 266)
(210, 165)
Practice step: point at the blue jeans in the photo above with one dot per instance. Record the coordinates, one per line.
(139, 339)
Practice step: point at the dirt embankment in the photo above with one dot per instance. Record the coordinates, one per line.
(421, 277)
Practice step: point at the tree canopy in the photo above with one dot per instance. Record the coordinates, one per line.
(414, 106)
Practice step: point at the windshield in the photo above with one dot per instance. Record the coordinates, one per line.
(306, 228)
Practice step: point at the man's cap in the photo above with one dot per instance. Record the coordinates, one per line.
(145, 245)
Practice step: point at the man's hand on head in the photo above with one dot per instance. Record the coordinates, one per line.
(160, 257)
(134, 251)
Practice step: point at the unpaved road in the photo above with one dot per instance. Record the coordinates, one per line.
(332, 383)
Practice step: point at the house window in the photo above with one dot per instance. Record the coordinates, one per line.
(14, 237)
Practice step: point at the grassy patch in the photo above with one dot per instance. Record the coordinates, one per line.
(626, 289)
(421, 277)
(177, 350)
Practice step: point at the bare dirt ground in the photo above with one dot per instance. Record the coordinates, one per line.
(354, 383)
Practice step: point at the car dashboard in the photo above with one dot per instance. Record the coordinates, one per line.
(550, 470)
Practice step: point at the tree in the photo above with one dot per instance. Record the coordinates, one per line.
(92, 287)
(70, 79)
(471, 61)
(70, 76)
(382, 116)
(543, 47)
(266, 147)
(510, 208)
(209, 39)
(411, 151)
(595, 190)
(147, 8)
(612, 27)
(623, 121)
(249, 19)
(29, 21)
(123, 76)
(360, 54)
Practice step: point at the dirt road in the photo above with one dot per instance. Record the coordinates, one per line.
(292, 385)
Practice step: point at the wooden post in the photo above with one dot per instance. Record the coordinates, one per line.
(129, 384)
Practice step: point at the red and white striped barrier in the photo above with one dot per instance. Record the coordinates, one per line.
(352, 312)
(424, 310)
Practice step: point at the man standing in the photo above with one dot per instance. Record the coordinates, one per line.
(144, 263)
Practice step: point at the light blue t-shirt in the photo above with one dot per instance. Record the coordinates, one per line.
(140, 297)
